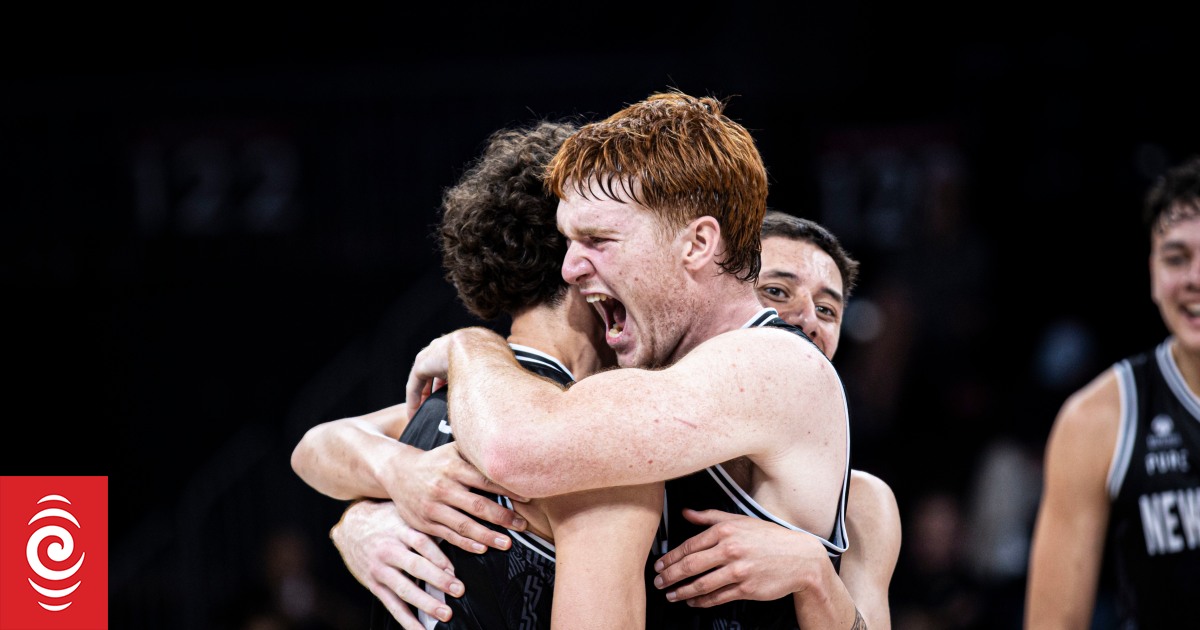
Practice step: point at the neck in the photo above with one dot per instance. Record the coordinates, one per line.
(568, 332)
(1189, 365)
(720, 305)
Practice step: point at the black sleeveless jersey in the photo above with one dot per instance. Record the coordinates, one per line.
(713, 488)
(430, 426)
(505, 589)
(1154, 485)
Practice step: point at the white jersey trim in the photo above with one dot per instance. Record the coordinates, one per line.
(1175, 380)
(750, 507)
(1126, 430)
(427, 620)
(761, 317)
(531, 540)
(543, 358)
(841, 539)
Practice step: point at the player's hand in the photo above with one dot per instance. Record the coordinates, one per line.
(428, 374)
(433, 494)
(738, 557)
(431, 367)
(386, 556)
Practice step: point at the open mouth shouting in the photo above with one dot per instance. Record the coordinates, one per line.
(613, 313)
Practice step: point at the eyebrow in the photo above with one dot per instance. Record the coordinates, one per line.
(787, 275)
(1168, 248)
(587, 232)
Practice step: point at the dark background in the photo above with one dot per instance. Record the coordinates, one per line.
(216, 233)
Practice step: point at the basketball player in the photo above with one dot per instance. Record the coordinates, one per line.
(1122, 480)
(662, 204)
(806, 284)
(502, 252)
(808, 277)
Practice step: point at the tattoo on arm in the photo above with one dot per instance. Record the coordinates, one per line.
(859, 622)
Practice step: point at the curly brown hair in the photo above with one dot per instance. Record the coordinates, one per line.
(681, 157)
(500, 244)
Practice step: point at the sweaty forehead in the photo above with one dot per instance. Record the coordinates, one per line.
(583, 216)
(1177, 229)
(588, 215)
(800, 258)
(802, 262)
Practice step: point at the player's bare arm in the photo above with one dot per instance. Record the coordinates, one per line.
(602, 539)
(719, 402)
(342, 458)
(874, 529)
(361, 457)
(1068, 537)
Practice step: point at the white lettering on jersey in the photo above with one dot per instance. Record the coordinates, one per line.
(1167, 461)
(1171, 520)
(444, 427)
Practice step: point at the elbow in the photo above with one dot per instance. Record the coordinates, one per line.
(513, 464)
(301, 457)
(305, 463)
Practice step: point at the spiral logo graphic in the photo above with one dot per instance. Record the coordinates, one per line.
(54, 584)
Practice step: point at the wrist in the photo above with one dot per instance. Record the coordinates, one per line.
(822, 596)
(352, 508)
(394, 461)
(813, 583)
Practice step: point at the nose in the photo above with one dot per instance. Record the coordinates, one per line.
(803, 315)
(1193, 276)
(575, 265)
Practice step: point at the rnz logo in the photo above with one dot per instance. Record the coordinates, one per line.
(51, 553)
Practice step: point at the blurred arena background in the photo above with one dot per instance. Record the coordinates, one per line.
(217, 233)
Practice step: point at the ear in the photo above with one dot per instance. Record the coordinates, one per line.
(701, 241)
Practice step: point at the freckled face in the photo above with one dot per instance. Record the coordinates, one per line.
(619, 258)
(802, 282)
(1175, 279)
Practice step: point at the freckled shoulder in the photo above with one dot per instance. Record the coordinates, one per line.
(781, 346)
(779, 360)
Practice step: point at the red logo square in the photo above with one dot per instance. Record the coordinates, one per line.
(53, 553)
